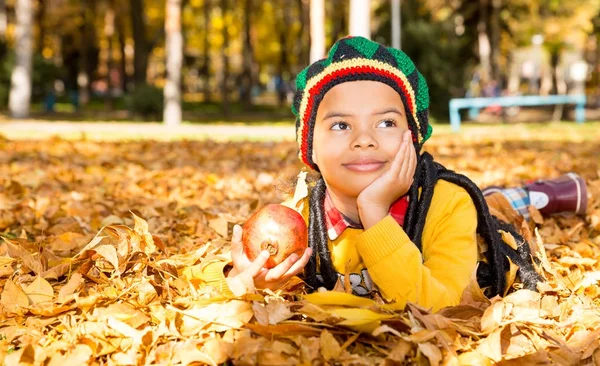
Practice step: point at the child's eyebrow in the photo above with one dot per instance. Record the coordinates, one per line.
(388, 110)
(336, 114)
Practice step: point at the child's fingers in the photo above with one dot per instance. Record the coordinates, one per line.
(397, 163)
(299, 265)
(279, 270)
(257, 265)
(407, 170)
(237, 249)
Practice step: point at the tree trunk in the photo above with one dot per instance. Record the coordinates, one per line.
(20, 90)
(396, 25)
(109, 32)
(174, 54)
(121, 38)
(39, 44)
(3, 26)
(206, 63)
(483, 41)
(3, 20)
(225, 59)
(360, 18)
(304, 35)
(247, 77)
(317, 30)
(86, 29)
(495, 37)
(141, 46)
(284, 21)
(339, 20)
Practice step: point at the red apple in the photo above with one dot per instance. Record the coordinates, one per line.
(278, 229)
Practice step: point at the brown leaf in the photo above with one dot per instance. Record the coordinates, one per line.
(432, 352)
(67, 290)
(13, 298)
(39, 291)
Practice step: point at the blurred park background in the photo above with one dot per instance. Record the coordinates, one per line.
(236, 60)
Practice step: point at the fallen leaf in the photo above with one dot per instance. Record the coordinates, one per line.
(39, 291)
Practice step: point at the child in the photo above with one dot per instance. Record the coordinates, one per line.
(382, 211)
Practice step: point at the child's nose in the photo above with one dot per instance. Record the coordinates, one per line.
(364, 139)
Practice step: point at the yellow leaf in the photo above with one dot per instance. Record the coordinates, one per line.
(432, 352)
(109, 253)
(39, 291)
(511, 275)
(508, 239)
(330, 348)
(300, 193)
(338, 298)
(80, 354)
(74, 282)
(358, 316)
(5, 261)
(13, 297)
(141, 228)
(220, 226)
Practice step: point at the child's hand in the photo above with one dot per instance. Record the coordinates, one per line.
(247, 273)
(375, 200)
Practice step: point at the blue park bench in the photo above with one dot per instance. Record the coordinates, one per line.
(529, 100)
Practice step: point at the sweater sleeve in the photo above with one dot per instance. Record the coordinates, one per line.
(437, 277)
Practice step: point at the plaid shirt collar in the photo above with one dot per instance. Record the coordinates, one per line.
(336, 222)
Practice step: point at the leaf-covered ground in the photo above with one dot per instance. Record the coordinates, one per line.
(102, 245)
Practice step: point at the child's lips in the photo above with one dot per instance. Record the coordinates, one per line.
(364, 165)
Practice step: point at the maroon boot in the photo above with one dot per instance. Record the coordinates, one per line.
(567, 193)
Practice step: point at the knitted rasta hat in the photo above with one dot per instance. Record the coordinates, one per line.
(352, 59)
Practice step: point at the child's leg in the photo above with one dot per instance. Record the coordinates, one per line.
(567, 193)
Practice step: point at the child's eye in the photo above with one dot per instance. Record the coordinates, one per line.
(387, 123)
(340, 126)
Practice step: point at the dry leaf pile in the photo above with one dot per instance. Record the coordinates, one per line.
(102, 246)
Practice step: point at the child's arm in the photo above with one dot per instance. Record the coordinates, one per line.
(437, 277)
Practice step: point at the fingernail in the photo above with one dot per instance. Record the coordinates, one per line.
(265, 254)
(294, 257)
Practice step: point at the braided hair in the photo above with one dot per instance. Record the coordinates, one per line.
(357, 58)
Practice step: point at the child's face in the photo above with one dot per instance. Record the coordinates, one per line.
(358, 132)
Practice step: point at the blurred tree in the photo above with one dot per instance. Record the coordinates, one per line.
(360, 18)
(3, 26)
(174, 55)
(247, 76)
(20, 91)
(429, 37)
(339, 17)
(121, 36)
(317, 30)
(141, 47)
(396, 24)
(142, 44)
(41, 25)
(225, 58)
(283, 67)
(205, 69)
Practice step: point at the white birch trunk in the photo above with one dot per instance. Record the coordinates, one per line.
(174, 55)
(20, 90)
(317, 30)
(396, 25)
(360, 18)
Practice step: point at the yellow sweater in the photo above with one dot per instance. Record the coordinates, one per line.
(434, 279)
